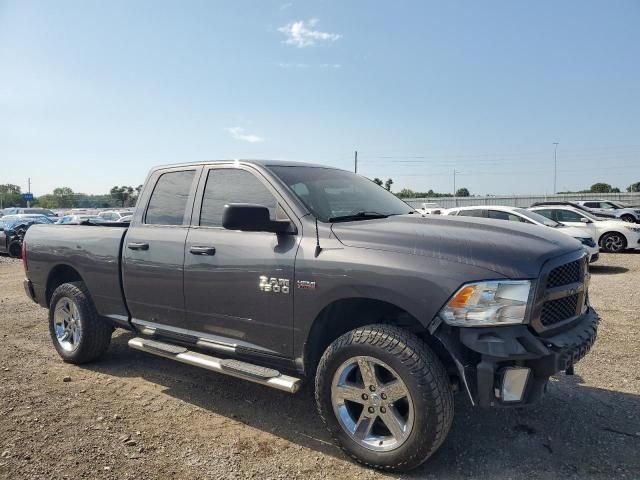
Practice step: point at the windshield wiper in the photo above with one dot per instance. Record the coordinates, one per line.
(358, 216)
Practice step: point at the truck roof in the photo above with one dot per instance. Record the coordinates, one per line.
(261, 162)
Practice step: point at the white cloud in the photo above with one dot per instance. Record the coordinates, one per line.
(284, 6)
(239, 134)
(301, 34)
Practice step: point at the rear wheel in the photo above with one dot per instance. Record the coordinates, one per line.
(613, 242)
(78, 333)
(628, 218)
(385, 397)
(15, 249)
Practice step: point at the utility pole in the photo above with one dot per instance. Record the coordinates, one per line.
(28, 190)
(555, 166)
(355, 160)
(454, 186)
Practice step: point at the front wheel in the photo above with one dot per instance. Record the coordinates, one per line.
(628, 218)
(78, 333)
(613, 242)
(385, 397)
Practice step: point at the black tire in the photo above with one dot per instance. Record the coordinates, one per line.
(95, 333)
(628, 218)
(425, 379)
(613, 242)
(15, 249)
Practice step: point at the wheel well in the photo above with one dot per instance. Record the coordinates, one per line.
(59, 275)
(344, 315)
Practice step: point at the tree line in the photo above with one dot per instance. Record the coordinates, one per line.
(65, 197)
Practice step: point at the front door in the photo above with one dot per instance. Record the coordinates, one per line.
(239, 285)
(154, 249)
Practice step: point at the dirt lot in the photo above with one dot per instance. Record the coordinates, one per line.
(136, 416)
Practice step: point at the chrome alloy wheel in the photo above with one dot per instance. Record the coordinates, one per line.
(614, 243)
(66, 322)
(372, 404)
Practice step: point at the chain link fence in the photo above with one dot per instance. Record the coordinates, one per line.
(522, 200)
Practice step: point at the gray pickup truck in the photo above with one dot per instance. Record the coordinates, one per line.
(281, 272)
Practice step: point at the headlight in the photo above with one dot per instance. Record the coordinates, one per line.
(588, 241)
(633, 229)
(496, 302)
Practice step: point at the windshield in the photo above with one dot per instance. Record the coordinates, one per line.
(537, 218)
(332, 194)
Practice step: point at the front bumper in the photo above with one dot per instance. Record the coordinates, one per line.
(482, 355)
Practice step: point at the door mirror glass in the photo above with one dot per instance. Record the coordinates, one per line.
(250, 217)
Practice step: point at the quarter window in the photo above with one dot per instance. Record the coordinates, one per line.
(168, 202)
(226, 185)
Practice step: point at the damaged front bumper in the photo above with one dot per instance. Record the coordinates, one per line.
(511, 365)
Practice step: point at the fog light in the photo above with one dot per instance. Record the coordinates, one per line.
(514, 382)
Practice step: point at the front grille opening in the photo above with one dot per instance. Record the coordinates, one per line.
(565, 274)
(555, 311)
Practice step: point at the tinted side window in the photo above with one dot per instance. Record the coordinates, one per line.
(227, 185)
(498, 215)
(592, 204)
(470, 213)
(546, 213)
(169, 199)
(568, 216)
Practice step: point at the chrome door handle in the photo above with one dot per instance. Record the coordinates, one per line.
(138, 246)
(202, 250)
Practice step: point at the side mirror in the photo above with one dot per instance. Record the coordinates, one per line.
(249, 217)
(585, 220)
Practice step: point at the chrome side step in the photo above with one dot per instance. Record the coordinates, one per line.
(235, 368)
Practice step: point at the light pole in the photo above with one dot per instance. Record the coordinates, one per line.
(555, 167)
(355, 161)
(455, 196)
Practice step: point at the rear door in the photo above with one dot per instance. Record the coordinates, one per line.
(154, 248)
(239, 285)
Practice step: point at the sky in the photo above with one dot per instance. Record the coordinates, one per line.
(94, 93)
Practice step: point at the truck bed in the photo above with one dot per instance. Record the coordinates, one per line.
(94, 252)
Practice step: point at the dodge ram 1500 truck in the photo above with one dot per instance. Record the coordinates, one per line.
(277, 272)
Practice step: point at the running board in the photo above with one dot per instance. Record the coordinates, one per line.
(235, 368)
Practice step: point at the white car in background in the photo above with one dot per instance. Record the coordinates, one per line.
(619, 210)
(114, 215)
(612, 235)
(515, 214)
(430, 208)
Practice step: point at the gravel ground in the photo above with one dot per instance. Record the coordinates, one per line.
(136, 416)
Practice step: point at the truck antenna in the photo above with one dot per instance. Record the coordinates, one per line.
(318, 247)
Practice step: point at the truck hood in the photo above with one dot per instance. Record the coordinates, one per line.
(509, 249)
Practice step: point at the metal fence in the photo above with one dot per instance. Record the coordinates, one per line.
(522, 200)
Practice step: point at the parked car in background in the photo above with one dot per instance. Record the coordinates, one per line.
(126, 219)
(430, 208)
(114, 215)
(575, 205)
(12, 230)
(77, 219)
(520, 215)
(611, 235)
(29, 211)
(619, 210)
